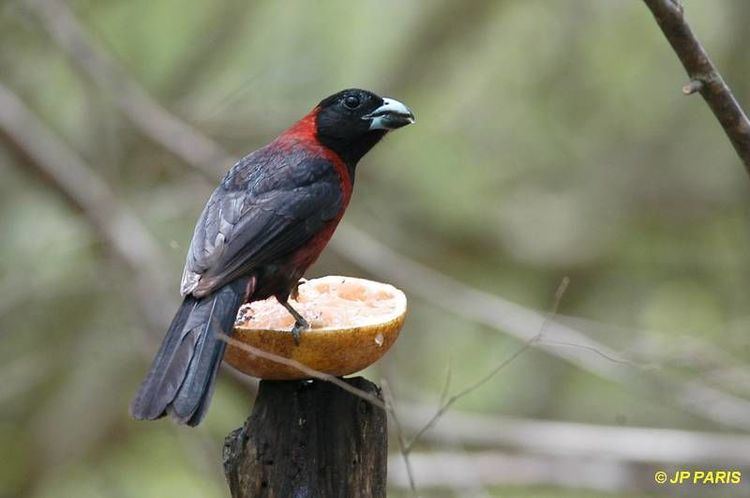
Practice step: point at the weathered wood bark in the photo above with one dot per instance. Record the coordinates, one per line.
(309, 439)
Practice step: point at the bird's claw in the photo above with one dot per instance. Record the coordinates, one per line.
(297, 330)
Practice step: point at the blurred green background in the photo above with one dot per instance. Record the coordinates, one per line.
(552, 140)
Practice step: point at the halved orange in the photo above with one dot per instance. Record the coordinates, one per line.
(353, 322)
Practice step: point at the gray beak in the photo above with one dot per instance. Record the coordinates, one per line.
(389, 116)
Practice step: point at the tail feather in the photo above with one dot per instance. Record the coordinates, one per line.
(182, 376)
(209, 350)
(160, 385)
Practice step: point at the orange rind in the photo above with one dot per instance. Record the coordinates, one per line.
(353, 323)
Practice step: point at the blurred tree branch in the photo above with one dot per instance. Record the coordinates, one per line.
(704, 77)
(486, 378)
(66, 173)
(556, 438)
(222, 25)
(438, 470)
(117, 226)
(554, 452)
(523, 323)
(445, 404)
(193, 147)
(440, 27)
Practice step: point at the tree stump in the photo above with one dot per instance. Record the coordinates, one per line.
(309, 439)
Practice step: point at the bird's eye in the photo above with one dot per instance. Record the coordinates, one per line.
(351, 102)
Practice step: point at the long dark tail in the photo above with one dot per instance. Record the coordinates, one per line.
(181, 379)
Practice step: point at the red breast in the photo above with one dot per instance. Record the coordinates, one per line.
(303, 134)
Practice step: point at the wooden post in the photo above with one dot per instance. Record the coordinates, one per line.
(309, 439)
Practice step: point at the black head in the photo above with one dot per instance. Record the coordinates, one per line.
(352, 121)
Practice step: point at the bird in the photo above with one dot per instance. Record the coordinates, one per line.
(267, 221)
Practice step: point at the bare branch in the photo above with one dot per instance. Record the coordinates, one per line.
(197, 150)
(704, 77)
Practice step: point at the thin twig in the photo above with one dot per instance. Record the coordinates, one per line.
(447, 383)
(479, 383)
(614, 359)
(692, 86)
(509, 318)
(704, 77)
(445, 406)
(391, 409)
(304, 369)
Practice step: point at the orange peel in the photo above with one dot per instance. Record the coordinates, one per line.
(353, 323)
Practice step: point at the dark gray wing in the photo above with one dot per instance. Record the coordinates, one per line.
(268, 206)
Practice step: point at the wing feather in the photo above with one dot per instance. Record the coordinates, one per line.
(267, 206)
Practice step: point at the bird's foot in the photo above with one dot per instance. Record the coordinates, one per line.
(299, 327)
(300, 324)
